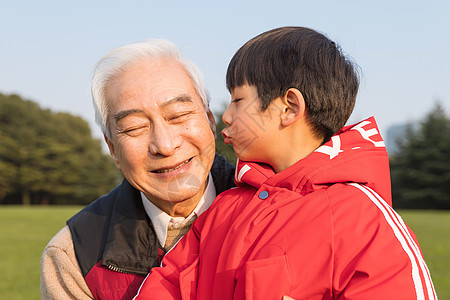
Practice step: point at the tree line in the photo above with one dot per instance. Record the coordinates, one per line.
(51, 158)
(48, 157)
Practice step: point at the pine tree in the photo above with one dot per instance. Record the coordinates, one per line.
(420, 169)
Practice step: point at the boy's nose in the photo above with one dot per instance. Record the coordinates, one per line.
(226, 117)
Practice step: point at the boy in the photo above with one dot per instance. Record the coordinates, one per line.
(311, 215)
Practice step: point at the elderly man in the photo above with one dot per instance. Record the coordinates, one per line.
(153, 110)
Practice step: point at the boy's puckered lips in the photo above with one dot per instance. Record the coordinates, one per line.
(227, 139)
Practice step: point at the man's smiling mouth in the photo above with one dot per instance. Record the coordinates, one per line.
(174, 168)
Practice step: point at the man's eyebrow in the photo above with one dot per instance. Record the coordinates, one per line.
(122, 114)
(180, 98)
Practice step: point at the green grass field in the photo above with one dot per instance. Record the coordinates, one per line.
(24, 232)
(432, 229)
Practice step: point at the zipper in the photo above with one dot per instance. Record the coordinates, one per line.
(120, 270)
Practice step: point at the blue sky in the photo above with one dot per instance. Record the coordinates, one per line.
(48, 48)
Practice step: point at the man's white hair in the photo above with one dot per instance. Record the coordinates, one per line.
(117, 61)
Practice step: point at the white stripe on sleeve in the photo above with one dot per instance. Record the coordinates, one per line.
(407, 242)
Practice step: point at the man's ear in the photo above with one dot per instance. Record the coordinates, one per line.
(212, 122)
(294, 107)
(112, 150)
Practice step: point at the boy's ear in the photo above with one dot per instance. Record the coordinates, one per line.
(294, 107)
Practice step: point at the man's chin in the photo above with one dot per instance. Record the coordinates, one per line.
(184, 194)
(187, 184)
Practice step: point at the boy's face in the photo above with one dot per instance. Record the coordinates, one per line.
(251, 131)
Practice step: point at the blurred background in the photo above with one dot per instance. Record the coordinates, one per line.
(51, 151)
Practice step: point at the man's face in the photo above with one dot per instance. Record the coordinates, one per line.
(162, 136)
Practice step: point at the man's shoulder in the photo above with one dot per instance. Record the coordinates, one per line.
(102, 207)
(104, 201)
(223, 174)
(62, 240)
(89, 228)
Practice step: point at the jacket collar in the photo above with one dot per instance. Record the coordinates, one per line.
(355, 154)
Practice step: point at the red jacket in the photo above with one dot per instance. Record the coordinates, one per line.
(322, 229)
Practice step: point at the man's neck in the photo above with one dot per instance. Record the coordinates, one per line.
(161, 220)
(183, 208)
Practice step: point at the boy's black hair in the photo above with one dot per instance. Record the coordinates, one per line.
(299, 57)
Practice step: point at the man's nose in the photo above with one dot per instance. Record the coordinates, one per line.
(164, 140)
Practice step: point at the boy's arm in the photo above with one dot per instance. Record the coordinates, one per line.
(376, 255)
(61, 276)
(178, 272)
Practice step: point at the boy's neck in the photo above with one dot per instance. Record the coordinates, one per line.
(295, 143)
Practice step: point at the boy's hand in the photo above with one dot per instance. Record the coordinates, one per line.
(287, 298)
